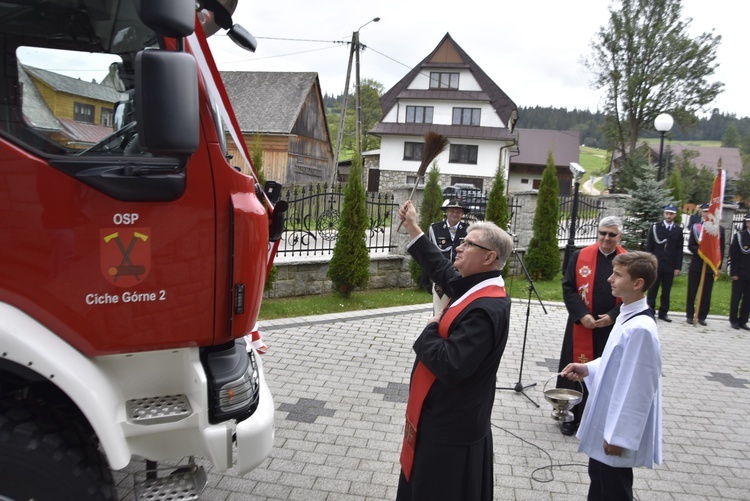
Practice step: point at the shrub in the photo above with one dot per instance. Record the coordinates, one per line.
(350, 264)
(543, 256)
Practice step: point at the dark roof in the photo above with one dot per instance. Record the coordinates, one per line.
(452, 131)
(75, 86)
(35, 109)
(708, 156)
(266, 101)
(503, 105)
(534, 145)
(448, 95)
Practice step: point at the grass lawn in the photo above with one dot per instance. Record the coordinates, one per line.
(517, 286)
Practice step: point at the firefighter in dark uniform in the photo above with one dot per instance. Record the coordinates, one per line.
(665, 241)
(447, 236)
(739, 271)
(695, 270)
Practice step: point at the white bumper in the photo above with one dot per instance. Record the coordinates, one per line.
(255, 434)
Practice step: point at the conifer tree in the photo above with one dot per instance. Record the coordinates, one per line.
(645, 208)
(349, 268)
(543, 256)
(429, 212)
(497, 205)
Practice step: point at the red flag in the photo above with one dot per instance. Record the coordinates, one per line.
(709, 248)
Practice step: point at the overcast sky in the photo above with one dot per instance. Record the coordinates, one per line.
(533, 50)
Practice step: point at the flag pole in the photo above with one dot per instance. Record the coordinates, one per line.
(696, 309)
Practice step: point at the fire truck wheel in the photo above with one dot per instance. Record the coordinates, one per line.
(43, 456)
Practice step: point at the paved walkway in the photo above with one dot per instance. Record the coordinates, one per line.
(340, 384)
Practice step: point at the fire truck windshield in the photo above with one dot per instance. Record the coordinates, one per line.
(69, 89)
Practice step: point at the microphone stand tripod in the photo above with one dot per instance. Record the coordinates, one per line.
(519, 387)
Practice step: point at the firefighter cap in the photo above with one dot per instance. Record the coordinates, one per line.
(452, 203)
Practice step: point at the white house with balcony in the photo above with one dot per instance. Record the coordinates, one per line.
(449, 94)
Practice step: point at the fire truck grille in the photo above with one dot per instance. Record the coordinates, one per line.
(156, 410)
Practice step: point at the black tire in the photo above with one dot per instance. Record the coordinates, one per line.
(47, 457)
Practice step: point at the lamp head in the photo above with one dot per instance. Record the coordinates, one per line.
(664, 123)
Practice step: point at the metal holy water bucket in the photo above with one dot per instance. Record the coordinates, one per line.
(562, 400)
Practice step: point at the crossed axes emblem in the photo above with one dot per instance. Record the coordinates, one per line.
(126, 266)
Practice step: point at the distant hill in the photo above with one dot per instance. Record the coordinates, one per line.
(589, 125)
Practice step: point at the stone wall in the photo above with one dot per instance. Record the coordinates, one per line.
(303, 277)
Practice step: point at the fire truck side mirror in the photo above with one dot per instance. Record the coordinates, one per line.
(169, 18)
(166, 102)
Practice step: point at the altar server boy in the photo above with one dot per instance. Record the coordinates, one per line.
(621, 424)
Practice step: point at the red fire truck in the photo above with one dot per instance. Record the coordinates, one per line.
(133, 252)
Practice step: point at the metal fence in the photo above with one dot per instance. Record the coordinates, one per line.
(590, 211)
(314, 218)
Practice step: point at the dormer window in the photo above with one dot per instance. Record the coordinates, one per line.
(83, 112)
(419, 114)
(443, 80)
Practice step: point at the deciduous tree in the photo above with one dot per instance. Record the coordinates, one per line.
(647, 63)
(731, 138)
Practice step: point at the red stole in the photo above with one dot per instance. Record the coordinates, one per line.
(583, 338)
(423, 379)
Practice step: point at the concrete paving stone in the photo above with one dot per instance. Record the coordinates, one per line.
(285, 466)
(310, 458)
(656, 495)
(733, 493)
(330, 484)
(344, 362)
(368, 490)
(739, 482)
(354, 475)
(376, 466)
(244, 485)
(300, 445)
(320, 470)
(664, 486)
(299, 494)
(344, 497)
(363, 453)
(727, 462)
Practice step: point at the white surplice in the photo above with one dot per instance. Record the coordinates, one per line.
(624, 404)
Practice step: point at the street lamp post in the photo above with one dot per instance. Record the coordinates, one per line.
(663, 124)
(353, 54)
(577, 172)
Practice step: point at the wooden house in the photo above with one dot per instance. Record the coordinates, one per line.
(72, 112)
(285, 112)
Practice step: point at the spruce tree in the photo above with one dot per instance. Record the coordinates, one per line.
(429, 212)
(543, 256)
(645, 208)
(349, 268)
